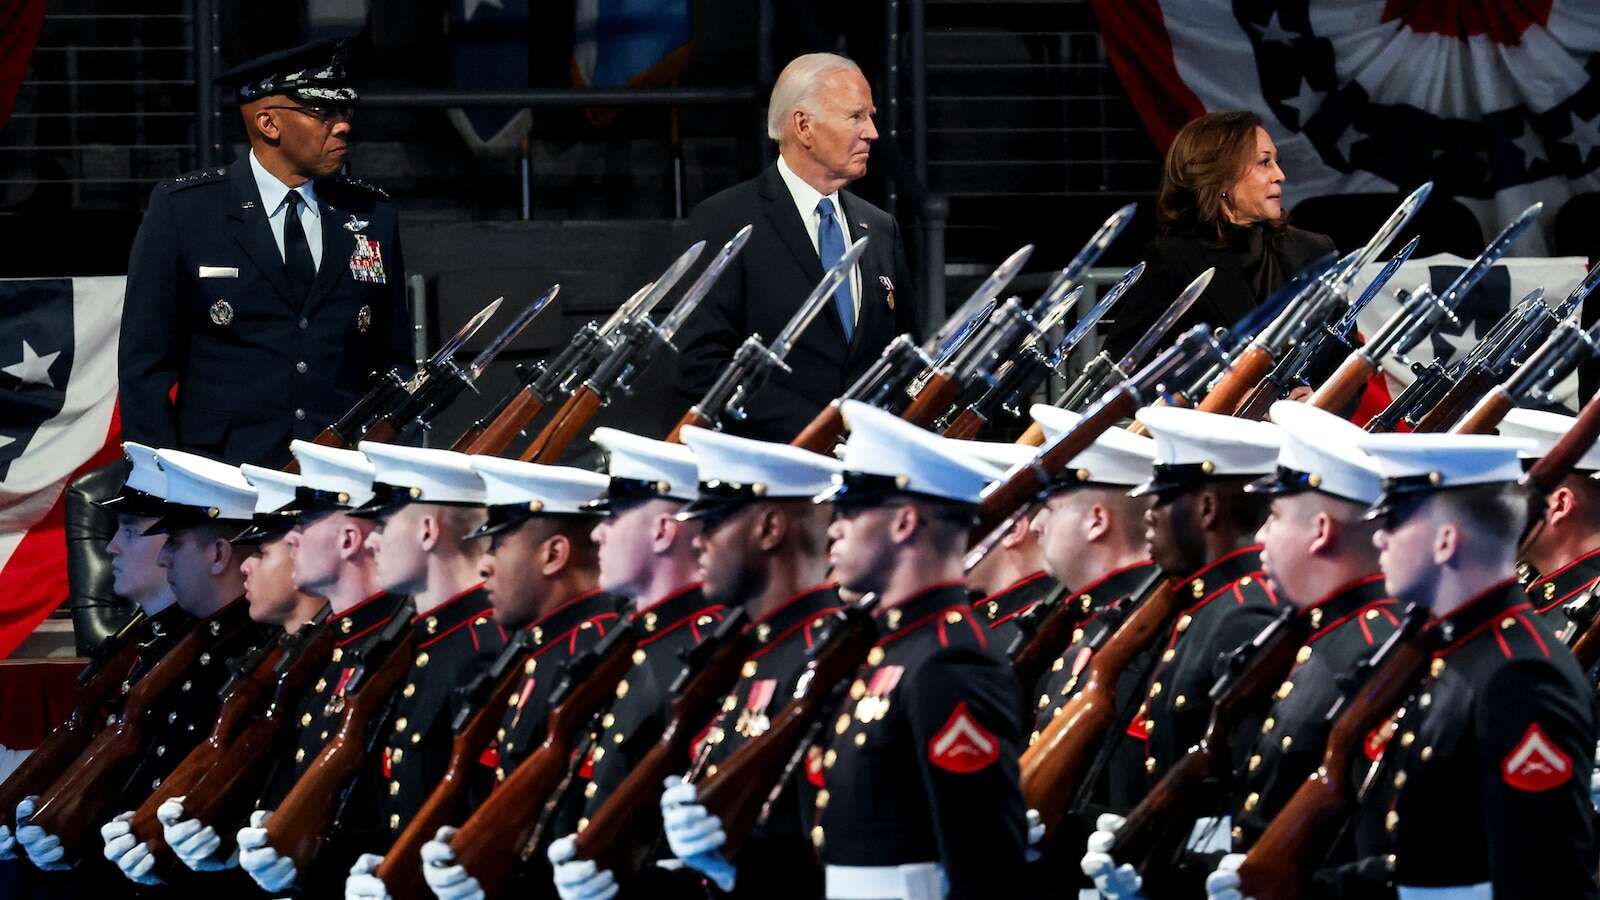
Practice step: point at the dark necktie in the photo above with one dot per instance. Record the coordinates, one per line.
(297, 262)
(830, 247)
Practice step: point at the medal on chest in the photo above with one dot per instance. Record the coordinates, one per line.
(873, 704)
(753, 719)
(366, 261)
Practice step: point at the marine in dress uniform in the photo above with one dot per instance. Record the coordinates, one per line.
(1485, 770)
(1561, 557)
(1010, 578)
(277, 278)
(779, 581)
(918, 778)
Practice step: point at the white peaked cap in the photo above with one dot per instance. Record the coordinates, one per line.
(1192, 446)
(332, 471)
(274, 488)
(1117, 457)
(734, 469)
(541, 489)
(896, 455)
(1415, 464)
(432, 476)
(145, 475)
(217, 488)
(1541, 430)
(668, 468)
(1321, 452)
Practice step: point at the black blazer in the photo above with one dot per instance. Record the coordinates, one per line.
(254, 367)
(764, 287)
(1171, 262)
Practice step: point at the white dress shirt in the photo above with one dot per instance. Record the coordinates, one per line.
(275, 199)
(805, 200)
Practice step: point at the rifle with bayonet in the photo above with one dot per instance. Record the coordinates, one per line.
(1156, 829)
(265, 688)
(754, 362)
(487, 843)
(301, 823)
(1536, 380)
(624, 831)
(392, 389)
(1311, 351)
(1487, 364)
(474, 727)
(100, 685)
(885, 383)
(635, 346)
(417, 411)
(1418, 317)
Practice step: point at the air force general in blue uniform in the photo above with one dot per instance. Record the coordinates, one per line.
(268, 291)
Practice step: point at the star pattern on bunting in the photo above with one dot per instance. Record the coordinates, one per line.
(34, 368)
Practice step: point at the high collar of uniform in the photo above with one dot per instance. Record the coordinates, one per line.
(1226, 568)
(459, 608)
(1572, 577)
(1115, 584)
(677, 606)
(1482, 610)
(917, 608)
(370, 613)
(1346, 599)
(801, 608)
(571, 614)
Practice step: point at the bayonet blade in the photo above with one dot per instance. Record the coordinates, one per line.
(1268, 311)
(988, 290)
(1099, 241)
(1491, 254)
(448, 348)
(1579, 293)
(669, 279)
(1186, 299)
(968, 329)
(626, 310)
(702, 285)
(1081, 329)
(1348, 320)
(820, 295)
(510, 332)
(1380, 239)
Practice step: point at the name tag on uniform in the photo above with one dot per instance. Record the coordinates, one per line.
(219, 272)
(366, 261)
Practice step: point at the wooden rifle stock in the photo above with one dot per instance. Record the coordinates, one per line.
(75, 804)
(966, 425)
(1260, 399)
(935, 397)
(1474, 383)
(1246, 372)
(823, 433)
(1486, 415)
(1345, 385)
(487, 842)
(692, 417)
(1280, 863)
(738, 790)
(301, 822)
(98, 688)
(382, 431)
(564, 427)
(1054, 767)
(401, 869)
(219, 797)
(231, 719)
(494, 439)
(1156, 829)
(625, 829)
(1033, 437)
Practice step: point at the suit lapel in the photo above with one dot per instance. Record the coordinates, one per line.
(247, 223)
(785, 220)
(872, 310)
(338, 243)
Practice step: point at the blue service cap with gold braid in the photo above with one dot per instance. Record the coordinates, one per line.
(1416, 465)
(517, 491)
(313, 73)
(735, 470)
(1320, 452)
(886, 456)
(1194, 446)
(201, 490)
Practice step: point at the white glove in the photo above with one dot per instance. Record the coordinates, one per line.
(1113, 881)
(1594, 790)
(265, 865)
(362, 884)
(131, 855)
(1223, 884)
(8, 841)
(447, 878)
(1035, 836)
(42, 848)
(695, 835)
(194, 844)
(579, 879)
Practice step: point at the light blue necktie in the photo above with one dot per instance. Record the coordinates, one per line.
(830, 246)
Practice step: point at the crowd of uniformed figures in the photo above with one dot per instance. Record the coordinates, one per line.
(385, 604)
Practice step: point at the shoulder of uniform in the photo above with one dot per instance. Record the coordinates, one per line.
(357, 185)
(198, 177)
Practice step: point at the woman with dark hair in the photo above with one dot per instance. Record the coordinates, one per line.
(1221, 205)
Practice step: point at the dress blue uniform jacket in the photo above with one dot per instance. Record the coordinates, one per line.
(208, 308)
